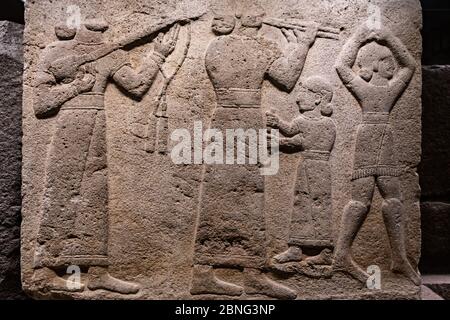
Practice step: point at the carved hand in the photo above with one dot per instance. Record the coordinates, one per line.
(311, 33)
(365, 34)
(284, 142)
(85, 84)
(290, 36)
(297, 36)
(379, 35)
(165, 44)
(273, 121)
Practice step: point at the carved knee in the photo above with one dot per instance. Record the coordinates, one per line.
(357, 206)
(392, 205)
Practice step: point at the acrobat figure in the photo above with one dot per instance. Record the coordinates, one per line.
(385, 69)
(74, 225)
(231, 227)
(313, 134)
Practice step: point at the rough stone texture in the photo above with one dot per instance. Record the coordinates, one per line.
(435, 238)
(434, 171)
(429, 295)
(101, 191)
(11, 68)
(439, 284)
(435, 167)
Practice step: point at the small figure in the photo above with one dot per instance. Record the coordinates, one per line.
(313, 134)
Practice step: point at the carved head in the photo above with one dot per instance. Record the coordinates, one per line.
(92, 31)
(316, 92)
(251, 15)
(375, 58)
(223, 24)
(63, 32)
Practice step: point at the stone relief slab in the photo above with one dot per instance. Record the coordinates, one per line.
(205, 149)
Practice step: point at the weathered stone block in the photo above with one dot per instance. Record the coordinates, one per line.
(11, 68)
(435, 238)
(430, 295)
(435, 167)
(124, 197)
(439, 284)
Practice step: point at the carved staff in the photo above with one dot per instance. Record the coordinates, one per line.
(158, 131)
(68, 66)
(324, 32)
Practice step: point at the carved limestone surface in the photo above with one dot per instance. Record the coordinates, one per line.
(149, 127)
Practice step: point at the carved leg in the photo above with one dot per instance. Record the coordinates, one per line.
(100, 279)
(293, 254)
(355, 214)
(392, 215)
(256, 282)
(41, 278)
(325, 258)
(206, 282)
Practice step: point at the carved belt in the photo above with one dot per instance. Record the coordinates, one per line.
(376, 118)
(316, 155)
(89, 101)
(239, 98)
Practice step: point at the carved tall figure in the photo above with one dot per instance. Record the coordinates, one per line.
(231, 227)
(377, 87)
(74, 227)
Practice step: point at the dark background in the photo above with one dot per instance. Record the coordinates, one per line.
(436, 32)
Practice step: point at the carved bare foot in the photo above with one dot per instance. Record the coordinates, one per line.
(407, 270)
(100, 279)
(350, 267)
(205, 282)
(293, 254)
(325, 258)
(48, 280)
(257, 283)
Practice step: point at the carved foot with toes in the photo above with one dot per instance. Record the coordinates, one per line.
(48, 280)
(351, 268)
(293, 254)
(206, 282)
(258, 283)
(102, 280)
(408, 271)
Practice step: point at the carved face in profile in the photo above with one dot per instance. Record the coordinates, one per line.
(223, 24)
(253, 17)
(387, 67)
(314, 93)
(308, 100)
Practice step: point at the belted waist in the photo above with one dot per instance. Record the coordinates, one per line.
(239, 98)
(88, 101)
(376, 118)
(316, 155)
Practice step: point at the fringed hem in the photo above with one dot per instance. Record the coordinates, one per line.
(376, 172)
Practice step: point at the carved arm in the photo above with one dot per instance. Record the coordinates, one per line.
(286, 70)
(138, 82)
(347, 58)
(51, 96)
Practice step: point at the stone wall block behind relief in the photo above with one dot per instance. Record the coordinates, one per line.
(11, 70)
